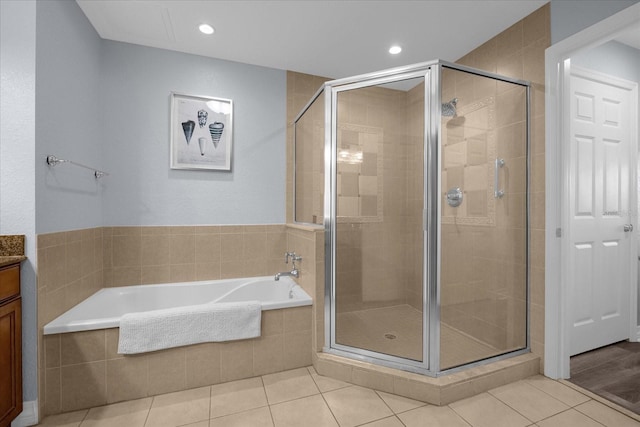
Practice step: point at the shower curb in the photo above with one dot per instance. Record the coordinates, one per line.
(434, 390)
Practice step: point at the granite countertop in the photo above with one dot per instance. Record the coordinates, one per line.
(8, 260)
(11, 249)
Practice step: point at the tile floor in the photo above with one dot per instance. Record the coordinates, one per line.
(301, 397)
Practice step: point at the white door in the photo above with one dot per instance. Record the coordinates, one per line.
(600, 227)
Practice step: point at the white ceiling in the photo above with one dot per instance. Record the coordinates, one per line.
(327, 38)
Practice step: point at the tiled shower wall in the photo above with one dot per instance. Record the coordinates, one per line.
(518, 52)
(75, 264)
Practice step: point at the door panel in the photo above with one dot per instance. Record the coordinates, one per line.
(600, 144)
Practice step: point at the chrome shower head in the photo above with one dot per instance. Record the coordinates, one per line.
(449, 108)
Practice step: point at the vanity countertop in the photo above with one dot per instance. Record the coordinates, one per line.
(11, 249)
(8, 260)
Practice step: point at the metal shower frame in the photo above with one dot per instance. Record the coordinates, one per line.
(431, 71)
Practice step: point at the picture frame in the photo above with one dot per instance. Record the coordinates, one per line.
(201, 132)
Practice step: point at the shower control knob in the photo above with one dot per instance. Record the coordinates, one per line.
(454, 197)
(627, 228)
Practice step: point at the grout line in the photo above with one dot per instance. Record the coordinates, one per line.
(210, 403)
(149, 411)
(383, 401)
(567, 410)
(329, 407)
(538, 388)
(602, 400)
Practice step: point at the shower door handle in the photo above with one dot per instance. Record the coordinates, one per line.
(497, 193)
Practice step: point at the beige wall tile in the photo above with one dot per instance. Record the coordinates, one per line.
(268, 354)
(202, 364)
(126, 231)
(297, 349)
(297, 319)
(182, 229)
(82, 347)
(255, 245)
(51, 351)
(167, 371)
(155, 249)
(112, 336)
(208, 271)
(126, 276)
(231, 269)
(182, 272)
(127, 378)
(152, 274)
(126, 250)
(208, 248)
(56, 267)
(182, 248)
(272, 322)
(52, 391)
(233, 247)
(83, 386)
(236, 360)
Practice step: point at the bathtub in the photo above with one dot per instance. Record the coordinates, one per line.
(104, 309)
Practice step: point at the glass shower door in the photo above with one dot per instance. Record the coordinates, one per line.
(483, 269)
(378, 226)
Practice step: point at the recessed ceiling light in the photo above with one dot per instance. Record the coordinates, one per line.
(206, 29)
(394, 50)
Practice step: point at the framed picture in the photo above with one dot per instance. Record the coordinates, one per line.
(201, 132)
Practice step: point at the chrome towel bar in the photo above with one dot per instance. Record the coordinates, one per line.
(53, 161)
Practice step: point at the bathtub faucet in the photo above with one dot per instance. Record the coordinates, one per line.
(294, 271)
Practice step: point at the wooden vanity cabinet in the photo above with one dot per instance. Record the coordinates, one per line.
(10, 345)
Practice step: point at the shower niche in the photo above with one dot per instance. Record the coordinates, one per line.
(419, 176)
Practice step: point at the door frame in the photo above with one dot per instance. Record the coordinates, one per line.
(557, 304)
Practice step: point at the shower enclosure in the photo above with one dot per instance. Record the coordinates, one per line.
(419, 175)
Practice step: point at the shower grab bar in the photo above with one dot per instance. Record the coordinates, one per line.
(53, 161)
(496, 179)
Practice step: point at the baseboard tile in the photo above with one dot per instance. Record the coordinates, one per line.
(28, 416)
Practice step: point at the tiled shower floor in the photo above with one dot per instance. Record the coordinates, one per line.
(301, 398)
(397, 330)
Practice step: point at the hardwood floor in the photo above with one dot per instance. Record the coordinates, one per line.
(612, 372)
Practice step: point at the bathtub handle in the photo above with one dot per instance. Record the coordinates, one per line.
(293, 257)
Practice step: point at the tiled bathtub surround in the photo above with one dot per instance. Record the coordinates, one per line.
(146, 255)
(75, 264)
(83, 369)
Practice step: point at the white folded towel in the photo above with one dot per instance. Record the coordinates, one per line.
(175, 327)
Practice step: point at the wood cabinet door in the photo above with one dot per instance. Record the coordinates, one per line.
(10, 362)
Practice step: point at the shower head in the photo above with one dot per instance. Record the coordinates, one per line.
(449, 108)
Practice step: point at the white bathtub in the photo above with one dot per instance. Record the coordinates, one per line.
(105, 308)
